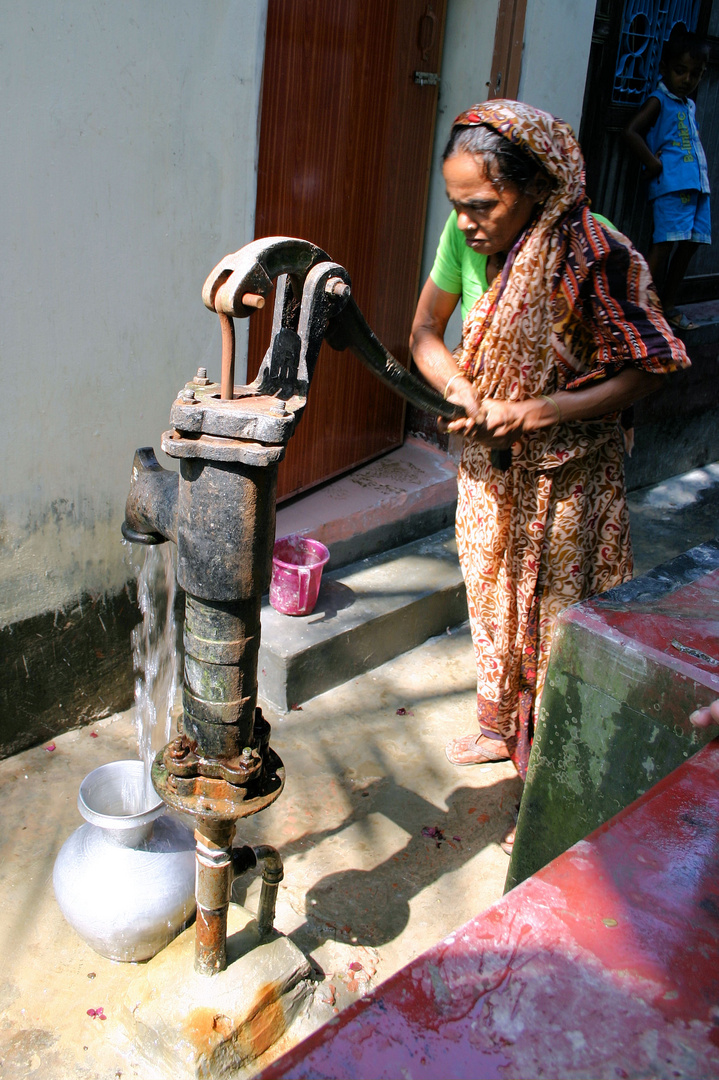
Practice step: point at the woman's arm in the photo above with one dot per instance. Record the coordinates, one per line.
(503, 418)
(635, 136)
(432, 356)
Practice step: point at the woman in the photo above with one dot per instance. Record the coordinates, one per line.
(567, 334)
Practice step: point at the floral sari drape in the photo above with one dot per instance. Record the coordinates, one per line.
(574, 303)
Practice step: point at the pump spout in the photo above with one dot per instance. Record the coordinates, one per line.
(151, 508)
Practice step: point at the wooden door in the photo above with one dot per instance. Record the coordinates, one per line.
(345, 151)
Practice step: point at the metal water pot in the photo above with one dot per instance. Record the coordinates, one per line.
(125, 881)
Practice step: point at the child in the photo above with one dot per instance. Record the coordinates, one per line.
(664, 136)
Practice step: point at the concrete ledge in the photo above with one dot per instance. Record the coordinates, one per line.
(627, 668)
(366, 614)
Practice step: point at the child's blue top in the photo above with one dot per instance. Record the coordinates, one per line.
(675, 140)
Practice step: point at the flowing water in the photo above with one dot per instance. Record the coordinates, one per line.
(154, 654)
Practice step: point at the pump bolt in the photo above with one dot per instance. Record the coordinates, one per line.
(337, 287)
(201, 377)
(278, 407)
(187, 395)
(247, 753)
(178, 749)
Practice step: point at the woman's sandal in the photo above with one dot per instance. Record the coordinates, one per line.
(475, 750)
(680, 320)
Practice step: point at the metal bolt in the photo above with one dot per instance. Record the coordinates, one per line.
(278, 407)
(178, 749)
(247, 753)
(201, 377)
(187, 395)
(337, 287)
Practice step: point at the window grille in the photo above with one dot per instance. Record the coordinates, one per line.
(646, 25)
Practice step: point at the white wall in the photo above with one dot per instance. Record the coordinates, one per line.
(557, 39)
(128, 166)
(466, 67)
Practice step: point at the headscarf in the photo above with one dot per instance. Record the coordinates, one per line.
(514, 337)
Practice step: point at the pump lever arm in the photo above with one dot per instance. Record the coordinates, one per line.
(350, 330)
(251, 272)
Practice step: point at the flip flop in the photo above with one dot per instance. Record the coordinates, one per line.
(680, 320)
(474, 750)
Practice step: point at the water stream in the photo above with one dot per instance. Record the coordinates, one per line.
(154, 654)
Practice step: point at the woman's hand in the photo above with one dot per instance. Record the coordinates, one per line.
(505, 421)
(497, 424)
(462, 393)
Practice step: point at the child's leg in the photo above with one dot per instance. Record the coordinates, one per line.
(657, 260)
(675, 273)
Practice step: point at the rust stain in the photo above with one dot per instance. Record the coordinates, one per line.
(262, 1025)
(201, 1029)
(265, 1028)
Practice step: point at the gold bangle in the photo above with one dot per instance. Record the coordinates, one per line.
(457, 375)
(554, 404)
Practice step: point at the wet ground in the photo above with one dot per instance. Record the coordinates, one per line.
(387, 847)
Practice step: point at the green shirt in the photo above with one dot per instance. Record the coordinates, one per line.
(460, 270)
(457, 268)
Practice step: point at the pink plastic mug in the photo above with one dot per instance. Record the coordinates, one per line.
(296, 574)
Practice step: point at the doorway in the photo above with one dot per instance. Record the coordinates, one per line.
(347, 122)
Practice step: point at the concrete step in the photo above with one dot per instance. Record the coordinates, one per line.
(366, 614)
(408, 493)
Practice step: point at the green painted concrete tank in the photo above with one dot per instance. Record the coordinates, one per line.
(626, 670)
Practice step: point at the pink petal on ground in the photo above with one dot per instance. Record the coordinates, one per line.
(91, 1012)
(50, 747)
(93, 734)
(355, 966)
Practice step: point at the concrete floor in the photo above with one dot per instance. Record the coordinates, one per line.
(387, 847)
(362, 883)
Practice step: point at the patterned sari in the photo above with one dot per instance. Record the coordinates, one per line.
(574, 304)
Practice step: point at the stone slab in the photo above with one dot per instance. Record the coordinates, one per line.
(627, 668)
(203, 1027)
(409, 493)
(601, 965)
(366, 614)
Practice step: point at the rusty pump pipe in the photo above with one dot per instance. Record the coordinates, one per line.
(220, 511)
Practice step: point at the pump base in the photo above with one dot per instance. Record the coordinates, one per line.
(201, 1027)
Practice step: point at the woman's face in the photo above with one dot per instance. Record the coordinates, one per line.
(490, 217)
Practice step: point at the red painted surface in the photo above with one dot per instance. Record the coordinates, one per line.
(604, 964)
(688, 617)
